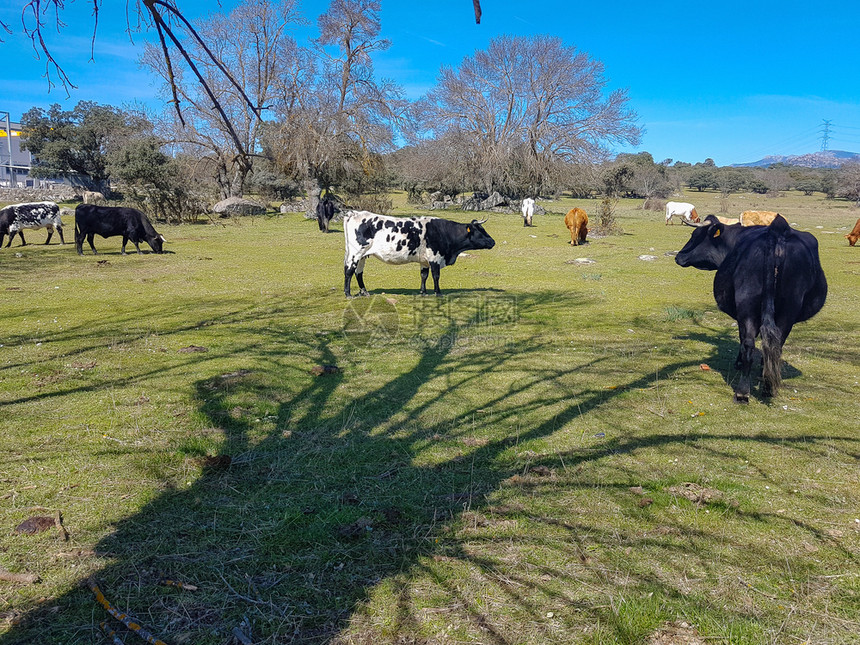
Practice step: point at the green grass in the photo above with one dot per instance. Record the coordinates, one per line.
(464, 476)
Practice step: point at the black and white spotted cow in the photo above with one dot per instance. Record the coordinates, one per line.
(432, 242)
(16, 217)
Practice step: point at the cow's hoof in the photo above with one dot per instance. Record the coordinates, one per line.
(363, 293)
(742, 399)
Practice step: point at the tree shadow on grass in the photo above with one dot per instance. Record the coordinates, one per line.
(317, 492)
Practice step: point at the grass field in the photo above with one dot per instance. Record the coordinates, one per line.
(536, 457)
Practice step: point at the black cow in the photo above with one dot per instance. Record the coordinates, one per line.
(325, 211)
(768, 278)
(16, 217)
(108, 221)
(431, 241)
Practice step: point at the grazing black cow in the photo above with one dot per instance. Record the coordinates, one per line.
(325, 211)
(768, 278)
(431, 241)
(16, 217)
(107, 221)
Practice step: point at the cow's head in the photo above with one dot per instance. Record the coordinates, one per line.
(477, 236)
(156, 243)
(707, 247)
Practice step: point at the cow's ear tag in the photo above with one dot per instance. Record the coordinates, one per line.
(717, 234)
(468, 229)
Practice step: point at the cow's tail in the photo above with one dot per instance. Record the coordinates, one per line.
(771, 336)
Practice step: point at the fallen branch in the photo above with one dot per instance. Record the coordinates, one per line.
(110, 633)
(58, 522)
(242, 637)
(125, 619)
(24, 578)
(179, 585)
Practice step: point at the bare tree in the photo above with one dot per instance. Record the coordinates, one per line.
(533, 101)
(257, 55)
(334, 116)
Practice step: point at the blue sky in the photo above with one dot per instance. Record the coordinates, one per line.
(733, 81)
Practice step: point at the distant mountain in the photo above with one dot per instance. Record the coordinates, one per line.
(827, 159)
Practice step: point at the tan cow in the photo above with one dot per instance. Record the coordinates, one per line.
(854, 235)
(757, 218)
(93, 197)
(577, 223)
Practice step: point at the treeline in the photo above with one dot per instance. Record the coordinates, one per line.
(262, 114)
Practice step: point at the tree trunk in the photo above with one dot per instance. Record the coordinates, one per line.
(312, 190)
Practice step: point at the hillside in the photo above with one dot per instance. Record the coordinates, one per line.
(826, 159)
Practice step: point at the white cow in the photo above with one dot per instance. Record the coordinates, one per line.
(528, 211)
(685, 210)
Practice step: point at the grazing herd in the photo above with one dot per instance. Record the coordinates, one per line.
(90, 220)
(768, 275)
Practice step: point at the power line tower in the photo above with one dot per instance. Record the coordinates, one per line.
(825, 134)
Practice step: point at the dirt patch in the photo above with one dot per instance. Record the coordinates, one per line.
(696, 493)
(675, 633)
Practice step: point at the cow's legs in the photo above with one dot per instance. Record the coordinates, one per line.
(50, 234)
(425, 271)
(90, 237)
(60, 231)
(434, 270)
(348, 272)
(23, 241)
(747, 333)
(124, 242)
(350, 268)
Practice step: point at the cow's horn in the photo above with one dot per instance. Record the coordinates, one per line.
(693, 223)
(474, 221)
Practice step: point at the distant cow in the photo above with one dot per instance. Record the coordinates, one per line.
(757, 218)
(432, 242)
(768, 279)
(853, 236)
(33, 215)
(108, 221)
(681, 209)
(528, 209)
(325, 211)
(93, 197)
(577, 223)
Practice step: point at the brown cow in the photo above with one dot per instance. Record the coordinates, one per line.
(854, 235)
(577, 222)
(757, 218)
